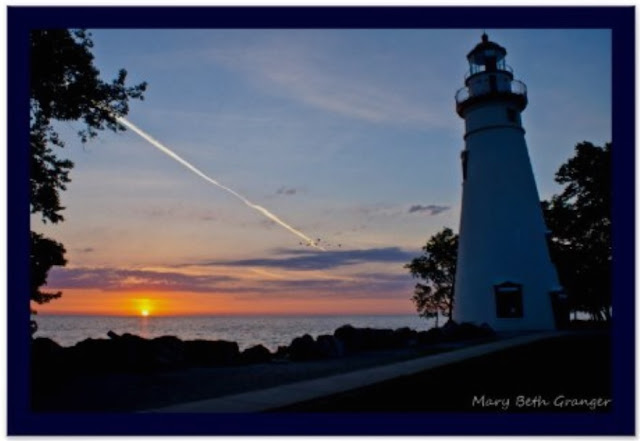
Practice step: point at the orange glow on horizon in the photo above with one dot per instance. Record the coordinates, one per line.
(158, 304)
(145, 306)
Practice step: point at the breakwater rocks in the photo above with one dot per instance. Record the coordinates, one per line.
(131, 353)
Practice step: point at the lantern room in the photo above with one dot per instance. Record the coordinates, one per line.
(487, 56)
(489, 78)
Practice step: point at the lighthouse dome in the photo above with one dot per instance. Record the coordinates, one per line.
(485, 51)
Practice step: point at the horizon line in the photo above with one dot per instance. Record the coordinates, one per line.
(255, 314)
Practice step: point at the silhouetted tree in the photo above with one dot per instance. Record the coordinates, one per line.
(65, 86)
(579, 220)
(437, 268)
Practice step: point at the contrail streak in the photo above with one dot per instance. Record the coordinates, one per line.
(166, 150)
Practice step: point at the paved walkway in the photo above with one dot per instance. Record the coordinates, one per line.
(288, 394)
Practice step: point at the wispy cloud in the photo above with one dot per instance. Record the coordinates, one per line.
(431, 209)
(371, 211)
(303, 259)
(125, 279)
(284, 284)
(175, 212)
(371, 286)
(293, 70)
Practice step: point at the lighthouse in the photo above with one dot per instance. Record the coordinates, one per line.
(504, 274)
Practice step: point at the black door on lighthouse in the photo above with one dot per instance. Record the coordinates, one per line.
(508, 300)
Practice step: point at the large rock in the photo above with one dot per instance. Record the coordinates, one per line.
(404, 337)
(43, 346)
(282, 352)
(374, 339)
(48, 365)
(168, 352)
(130, 353)
(304, 348)
(135, 353)
(46, 354)
(367, 339)
(350, 337)
(211, 352)
(329, 346)
(255, 354)
(431, 336)
(453, 331)
(450, 327)
(94, 354)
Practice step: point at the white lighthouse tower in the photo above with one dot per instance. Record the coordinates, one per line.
(504, 277)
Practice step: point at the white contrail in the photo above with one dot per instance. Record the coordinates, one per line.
(166, 150)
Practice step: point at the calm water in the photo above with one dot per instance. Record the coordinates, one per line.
(271, 331)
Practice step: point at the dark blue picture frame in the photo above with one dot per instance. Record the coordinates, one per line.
(21, 421)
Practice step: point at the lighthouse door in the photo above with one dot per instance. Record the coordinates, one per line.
(508, 300)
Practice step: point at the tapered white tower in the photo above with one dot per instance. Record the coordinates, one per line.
(504, 276)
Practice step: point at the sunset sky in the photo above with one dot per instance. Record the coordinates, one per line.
(349, 136)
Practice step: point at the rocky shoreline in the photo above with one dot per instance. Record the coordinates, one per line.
(131, 353)
(125, 373)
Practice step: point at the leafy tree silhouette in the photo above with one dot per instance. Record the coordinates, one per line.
(437, 267)
(579, 219)
(64, 86)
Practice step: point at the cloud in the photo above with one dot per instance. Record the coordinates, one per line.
(321, 260)
(358, 286)
(287, 191)
(289, 69)
(374, 210)
(156, 212)
(364, 286)
(109, 279)
(431, 209)
(175, 211)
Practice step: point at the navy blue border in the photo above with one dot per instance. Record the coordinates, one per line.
(21, 421)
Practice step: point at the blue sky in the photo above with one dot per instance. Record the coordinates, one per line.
(350, 136)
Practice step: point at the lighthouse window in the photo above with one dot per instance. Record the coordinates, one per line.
(508, 300)
(512, 116)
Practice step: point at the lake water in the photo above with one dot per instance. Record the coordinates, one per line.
(270, 331)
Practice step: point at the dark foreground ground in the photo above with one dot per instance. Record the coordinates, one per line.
(567, 374)
(100, 392)
(576, 367)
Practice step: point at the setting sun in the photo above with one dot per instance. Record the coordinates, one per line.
(144, 306)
